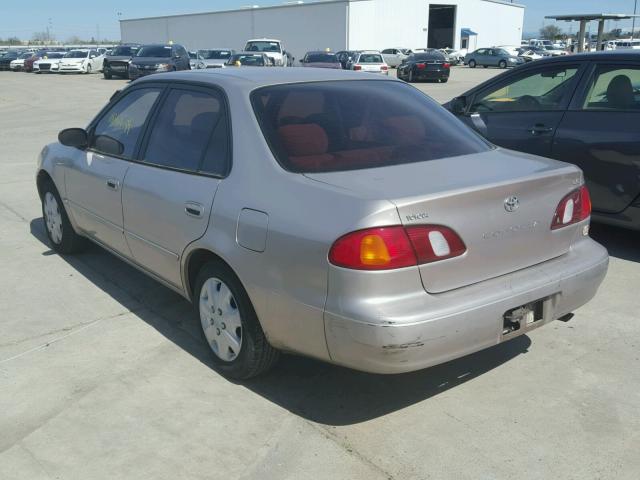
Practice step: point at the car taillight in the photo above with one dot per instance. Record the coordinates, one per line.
(421, 66)
(357, 67)
(384, 67)
(387, 248)
(446, 65)
(573, 208)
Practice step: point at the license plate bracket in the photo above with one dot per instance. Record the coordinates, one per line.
(525, 317)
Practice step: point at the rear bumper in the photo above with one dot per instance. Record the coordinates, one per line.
(391, 334)
(431, 75)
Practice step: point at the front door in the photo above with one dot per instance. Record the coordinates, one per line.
(94, 180)
(522, 111)
(168, 196)
(601, 134)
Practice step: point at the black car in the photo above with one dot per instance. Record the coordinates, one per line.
(157, 58)
(430, 65)
(582, 109)
(117, 62)
(7, 58)
(345, 57)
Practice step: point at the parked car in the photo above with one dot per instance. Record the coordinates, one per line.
(346, 57)
(249, 59)
(425, 66)
(8, 57)
(18, 64)
(454, 57)
(48, 63)
(532, 54)
(81, 61)
(411, 240)
(117, 62)
(271, 47)
(156, 58)
(369, 61)
(582, 109)
(492, 57)
(215, 57)
(321, 60)
(394, 56)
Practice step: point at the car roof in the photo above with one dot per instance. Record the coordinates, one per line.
(316, 52)
(251, 78)
(263, 40)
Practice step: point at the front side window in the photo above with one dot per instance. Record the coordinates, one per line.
(541, 91)
(190, 133)
(614, 88)
(124, 121)
(335, 126)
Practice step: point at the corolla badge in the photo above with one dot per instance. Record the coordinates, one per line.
(511, 204)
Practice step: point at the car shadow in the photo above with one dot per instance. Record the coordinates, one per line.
(309, 388)
(621, 243)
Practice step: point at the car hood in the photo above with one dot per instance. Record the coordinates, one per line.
(71, 60)
(117, 58)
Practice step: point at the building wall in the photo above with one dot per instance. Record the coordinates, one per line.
(379, 24)
(338, 24)
(312, 27)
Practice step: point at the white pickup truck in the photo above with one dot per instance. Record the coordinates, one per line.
(271, 47)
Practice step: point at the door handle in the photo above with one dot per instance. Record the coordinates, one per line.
(113, 184)
(193, 209)
(539, 129)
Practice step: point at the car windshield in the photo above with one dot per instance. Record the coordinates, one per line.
(262, 46)
(370, 58)
(247, 60)
(56, 55)
(24, 56)
(75, 54)
(155, 51)
(214, 54)
(335, 126)
(322, 58)
(124, 51)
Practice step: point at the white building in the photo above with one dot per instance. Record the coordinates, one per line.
(341, 25)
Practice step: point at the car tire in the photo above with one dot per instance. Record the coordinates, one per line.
(410, 76)
(472, 64)
(60, 232)
(502, 64)
(229, 324)
(88, 70)
(485, 66)
(444, 80)
(107, 76)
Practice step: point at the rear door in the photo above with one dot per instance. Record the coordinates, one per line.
(94, 181)
(523, 110)
(168, 195)
(601, 134)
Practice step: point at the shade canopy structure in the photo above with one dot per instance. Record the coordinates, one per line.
(583, 18)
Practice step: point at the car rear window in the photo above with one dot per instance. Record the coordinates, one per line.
(348, 125)
(370, 58)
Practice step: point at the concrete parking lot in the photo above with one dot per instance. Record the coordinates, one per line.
(102, 374)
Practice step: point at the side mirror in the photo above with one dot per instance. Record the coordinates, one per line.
(74, 137)
(458, 105)
(108, 145)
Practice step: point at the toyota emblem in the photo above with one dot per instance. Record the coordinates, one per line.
(511, 204)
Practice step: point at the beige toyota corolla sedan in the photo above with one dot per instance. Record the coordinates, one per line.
(319, 212)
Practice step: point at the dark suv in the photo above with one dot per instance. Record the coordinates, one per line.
(156, 58)
(117, 62)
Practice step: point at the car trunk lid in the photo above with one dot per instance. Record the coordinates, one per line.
(469, 194)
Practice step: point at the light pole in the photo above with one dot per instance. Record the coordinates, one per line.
(633, 21)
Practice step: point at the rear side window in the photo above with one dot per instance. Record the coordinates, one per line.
(190, 133)
(124, 121)
(539, 91)
(614, 88)
(349, 125)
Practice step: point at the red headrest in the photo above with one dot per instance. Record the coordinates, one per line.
(304, 139)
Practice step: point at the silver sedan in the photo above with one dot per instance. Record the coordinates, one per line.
(318, 212)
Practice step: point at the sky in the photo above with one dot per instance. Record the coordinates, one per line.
(86, 18)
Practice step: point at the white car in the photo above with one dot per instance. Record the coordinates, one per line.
(370, 61)
(394, 56)
(512, 49)
(214, 58)
(81, 61)
(48, 63)
(17, 64)
(271, 47)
